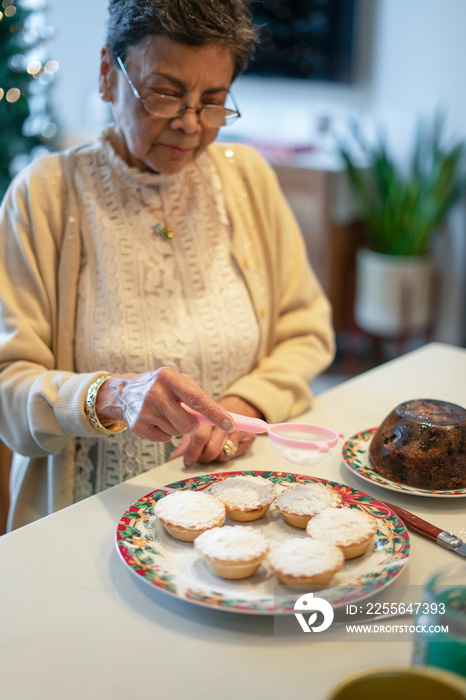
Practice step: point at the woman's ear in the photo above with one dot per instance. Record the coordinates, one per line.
(107, 74)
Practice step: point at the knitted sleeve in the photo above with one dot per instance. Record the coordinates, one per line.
(41, 405)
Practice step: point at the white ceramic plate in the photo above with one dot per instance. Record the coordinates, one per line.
(176, 567)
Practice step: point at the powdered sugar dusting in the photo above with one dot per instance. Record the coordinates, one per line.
(190, 509)
(244, 492)
(181, 565)
(458, 531)
(342, 526)
(308, 499)
(232, 543)
(361, 567)
(304, 558)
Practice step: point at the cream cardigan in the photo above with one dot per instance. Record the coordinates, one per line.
(41, 396)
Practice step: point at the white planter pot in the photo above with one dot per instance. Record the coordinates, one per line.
(393, 293)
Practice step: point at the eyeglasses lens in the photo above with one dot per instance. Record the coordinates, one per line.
(169, 108)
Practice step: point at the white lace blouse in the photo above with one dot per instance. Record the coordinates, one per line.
(145, 301)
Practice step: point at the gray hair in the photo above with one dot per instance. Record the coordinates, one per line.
(191, 22)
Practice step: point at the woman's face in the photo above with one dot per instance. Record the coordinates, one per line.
(197, 75)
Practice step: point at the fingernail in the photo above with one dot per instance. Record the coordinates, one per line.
(188, 464)
(228, 425)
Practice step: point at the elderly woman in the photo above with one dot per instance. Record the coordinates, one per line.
(147, 265)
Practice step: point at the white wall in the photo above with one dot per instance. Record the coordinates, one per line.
(419, 63)
(411, 59)
(79, 35)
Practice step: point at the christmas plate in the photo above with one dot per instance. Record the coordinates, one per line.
(356, 457)
(176, 568)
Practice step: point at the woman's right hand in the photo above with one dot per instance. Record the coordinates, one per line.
(149, 404)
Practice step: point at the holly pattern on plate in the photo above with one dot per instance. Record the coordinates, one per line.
(139, 542)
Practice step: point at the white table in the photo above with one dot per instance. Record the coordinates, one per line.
(76, 623)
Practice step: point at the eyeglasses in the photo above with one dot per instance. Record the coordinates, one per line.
(167, 107)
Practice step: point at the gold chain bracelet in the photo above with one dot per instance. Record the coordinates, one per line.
(118, 427)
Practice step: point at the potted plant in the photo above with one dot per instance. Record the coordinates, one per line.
(402, 209)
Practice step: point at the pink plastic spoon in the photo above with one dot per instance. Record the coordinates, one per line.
(301, 443)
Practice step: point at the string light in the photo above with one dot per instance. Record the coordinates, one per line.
(13, 95)
(34, 67)
(51, 66)
(28, 128)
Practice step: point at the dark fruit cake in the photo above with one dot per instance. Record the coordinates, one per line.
(422, 443)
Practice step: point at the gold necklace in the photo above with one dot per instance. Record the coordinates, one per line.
(163, 228)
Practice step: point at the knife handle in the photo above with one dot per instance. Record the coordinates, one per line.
(418, 525)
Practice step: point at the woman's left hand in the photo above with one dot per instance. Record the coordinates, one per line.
(211, 444)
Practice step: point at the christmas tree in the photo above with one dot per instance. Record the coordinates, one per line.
(27, 129)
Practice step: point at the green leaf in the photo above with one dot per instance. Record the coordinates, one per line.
(128, 532)
(403, 209)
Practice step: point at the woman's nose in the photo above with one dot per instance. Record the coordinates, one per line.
(188, 121)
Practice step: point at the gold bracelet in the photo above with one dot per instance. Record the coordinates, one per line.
(118, 427)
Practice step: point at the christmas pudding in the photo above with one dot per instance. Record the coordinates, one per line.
(422, 443)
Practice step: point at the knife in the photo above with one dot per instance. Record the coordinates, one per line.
(431, 532)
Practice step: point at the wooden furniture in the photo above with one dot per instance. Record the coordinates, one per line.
(326, 212)
(5, 462)
(323, 207)
(77, 623)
